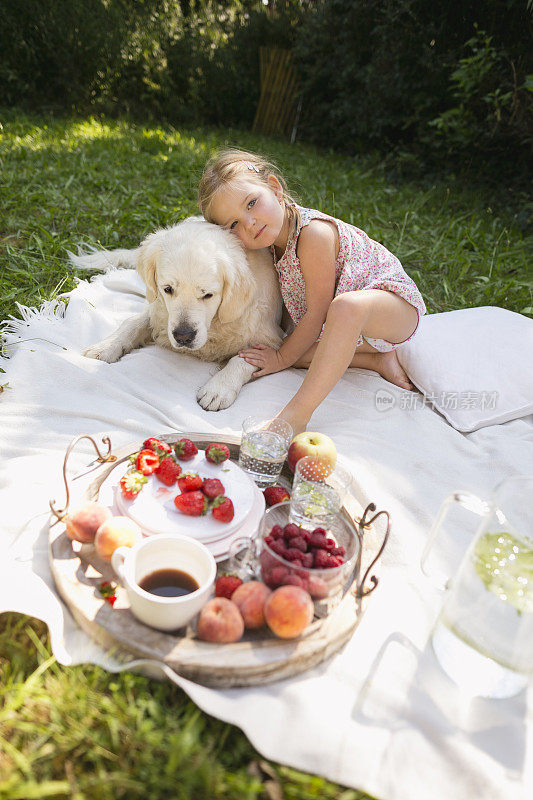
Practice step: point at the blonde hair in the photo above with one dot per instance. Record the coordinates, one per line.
(230, 165)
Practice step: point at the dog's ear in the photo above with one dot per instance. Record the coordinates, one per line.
(239, 287)
(149, 252)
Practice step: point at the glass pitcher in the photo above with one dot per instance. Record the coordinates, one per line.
(483, 637)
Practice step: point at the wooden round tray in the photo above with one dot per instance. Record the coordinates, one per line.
(258, 658)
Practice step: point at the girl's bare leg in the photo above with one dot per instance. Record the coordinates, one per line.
(367, 357)
(375, 313)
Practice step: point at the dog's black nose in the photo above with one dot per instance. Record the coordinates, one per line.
(184, 335)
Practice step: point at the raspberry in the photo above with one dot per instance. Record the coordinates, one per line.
(322, 559)
(293, 554)
(338, 551)
(330, 544)
(276, 532)
(318, 540)
(290, 530)
(278, 546)
(299, 543)
(320, 530)
(293, 580)
(269, 540)
(307, 560)
(267, 561)
(278, 575)
(336, 561)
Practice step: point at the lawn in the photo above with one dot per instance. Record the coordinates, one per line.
(80, 732)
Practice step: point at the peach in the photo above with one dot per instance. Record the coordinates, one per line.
(83, 521)
(250, 599)
(116, 532)
(288, 611)
(220, 621)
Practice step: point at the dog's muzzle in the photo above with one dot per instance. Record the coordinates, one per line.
(184, 336)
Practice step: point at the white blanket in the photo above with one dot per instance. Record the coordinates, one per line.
(380, 716)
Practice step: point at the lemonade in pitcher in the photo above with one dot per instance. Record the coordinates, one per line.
(484, 635)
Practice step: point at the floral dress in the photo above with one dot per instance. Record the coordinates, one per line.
(361, 263)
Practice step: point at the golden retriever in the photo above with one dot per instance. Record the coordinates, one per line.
(207, 297)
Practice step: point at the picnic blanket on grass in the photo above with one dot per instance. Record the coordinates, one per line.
(380, 716)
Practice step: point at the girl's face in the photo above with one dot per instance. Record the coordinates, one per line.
(253, 212)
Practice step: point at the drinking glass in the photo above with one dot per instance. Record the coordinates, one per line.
(318, 490)
(264, 447)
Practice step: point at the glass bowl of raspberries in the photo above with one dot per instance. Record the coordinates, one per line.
(321, 558)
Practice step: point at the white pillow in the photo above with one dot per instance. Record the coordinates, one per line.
(475, 366)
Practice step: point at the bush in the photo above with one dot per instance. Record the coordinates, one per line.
(437, 76)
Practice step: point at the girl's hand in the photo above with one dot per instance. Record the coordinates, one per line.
(267, 359)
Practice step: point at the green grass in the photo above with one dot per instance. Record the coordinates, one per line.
(80, 732)
(68, 181)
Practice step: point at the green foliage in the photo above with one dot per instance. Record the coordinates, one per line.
(66, 53)
(430, 82)
(491, 109)
(431, 78)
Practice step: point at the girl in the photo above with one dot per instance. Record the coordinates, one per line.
(350, 300)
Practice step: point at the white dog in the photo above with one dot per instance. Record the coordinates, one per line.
(207, 297)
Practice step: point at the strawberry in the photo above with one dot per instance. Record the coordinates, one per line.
(167, 471)
(185, 449)
(216, 453)
(226, 585)
(190, 482)
(147, 462)
(194, 504)
(275, 494)
(157, 446)
(131, 484)
(212, 487)
(222, 509)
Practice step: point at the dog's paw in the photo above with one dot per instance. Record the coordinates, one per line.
(215, 395)
(106, 351)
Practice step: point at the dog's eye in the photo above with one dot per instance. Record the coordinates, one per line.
(207, 296)
(168, 289)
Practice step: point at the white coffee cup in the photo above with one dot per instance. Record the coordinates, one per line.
(132, 564)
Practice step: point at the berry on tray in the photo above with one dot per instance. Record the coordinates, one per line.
(226, 585)
(185, 449)
(147, 462)
(194, 504)
(212, 487)
(222, 509)
(190, 482)
(275, 494)
(157, 446)
(216, 453)
(168, 471)
(131, 484)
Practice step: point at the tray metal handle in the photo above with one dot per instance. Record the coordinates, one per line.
(364, 523)
(102, 458)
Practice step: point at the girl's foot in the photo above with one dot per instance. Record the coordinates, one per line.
(389, 367)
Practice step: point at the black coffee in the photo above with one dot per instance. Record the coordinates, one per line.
(169, 583)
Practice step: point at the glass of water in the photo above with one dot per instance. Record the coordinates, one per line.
(264, 447)
(318, 490)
